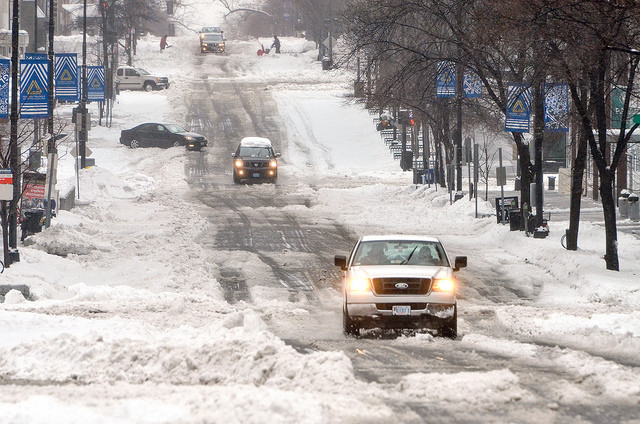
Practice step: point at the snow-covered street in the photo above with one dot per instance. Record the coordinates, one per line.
(131, 317)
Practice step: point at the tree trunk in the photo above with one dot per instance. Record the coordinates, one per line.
(526, 168)
(577, 177)
(609, 209)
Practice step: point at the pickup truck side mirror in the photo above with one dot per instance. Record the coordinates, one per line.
(233, 155)
(460, 262)
(341, 261)
(278, 155)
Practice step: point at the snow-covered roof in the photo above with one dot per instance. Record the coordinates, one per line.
(398, 237)
(255, 142)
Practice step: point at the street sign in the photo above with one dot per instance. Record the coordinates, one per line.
(326, 41)
(6, 184)
(501, 175)
(74, 152)
(636, 119)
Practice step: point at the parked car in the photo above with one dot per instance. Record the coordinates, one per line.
(399, 281)
(161, 135)
(255, 160)
(212, 42)
(130, 78)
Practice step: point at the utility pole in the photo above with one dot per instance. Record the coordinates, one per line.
(51, 143)
(83, 99)
(13, 140)
(458, 131)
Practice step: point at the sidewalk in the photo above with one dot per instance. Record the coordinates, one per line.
(556, 208)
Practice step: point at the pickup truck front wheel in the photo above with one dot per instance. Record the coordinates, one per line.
(149, 86)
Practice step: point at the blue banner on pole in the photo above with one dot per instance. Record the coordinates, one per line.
(556, 107)
(5, 77)
(66, 77)
(95, 83)
(518, 108)
(446, 84)
(34, 88)
(472, 85)
(31, 56)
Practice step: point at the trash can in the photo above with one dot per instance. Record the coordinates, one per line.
(515, 220)
(623, 203)
(552, 183)
(406, 161)
(634, 207)
(31, 223)
(418, 176)
(326, 63)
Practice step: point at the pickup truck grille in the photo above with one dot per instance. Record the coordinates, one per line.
(163, 80)
(396, 285)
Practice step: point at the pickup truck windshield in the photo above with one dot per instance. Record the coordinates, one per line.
(400, 252)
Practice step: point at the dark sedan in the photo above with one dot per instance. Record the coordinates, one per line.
(161, 135)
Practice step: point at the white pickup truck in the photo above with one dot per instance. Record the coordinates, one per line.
(130, 78)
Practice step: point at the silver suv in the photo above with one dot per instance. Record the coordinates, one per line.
(399, 281)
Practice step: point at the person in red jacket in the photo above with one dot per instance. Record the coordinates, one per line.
(163, 43)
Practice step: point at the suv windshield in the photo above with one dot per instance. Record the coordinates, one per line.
(400, 252)
(256, 152)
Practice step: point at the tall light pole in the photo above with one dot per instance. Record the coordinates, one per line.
(82, 139)
(13, 140)
(51, 143)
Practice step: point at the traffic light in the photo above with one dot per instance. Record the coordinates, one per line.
(405, 117)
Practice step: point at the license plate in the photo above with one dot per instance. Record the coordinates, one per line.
(256, 175)
(401, 310)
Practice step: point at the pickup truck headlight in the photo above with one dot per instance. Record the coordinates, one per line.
(273, 163)
(444, 285)
(238, 163)
(359, 282)
(189, 138)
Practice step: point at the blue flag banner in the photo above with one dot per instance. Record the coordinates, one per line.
(5, 77)
(518, 108)
(556, 107)
(34, 88)
(66, 77)
(41, 56)
(446, 84)
(472, 85)
(95, 83)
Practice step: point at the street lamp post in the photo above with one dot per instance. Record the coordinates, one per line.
(13, 139)
(51, 143)
(82, 139)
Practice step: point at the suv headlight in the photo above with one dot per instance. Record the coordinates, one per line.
(238, 163)
(273, 163)
(444, 285)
